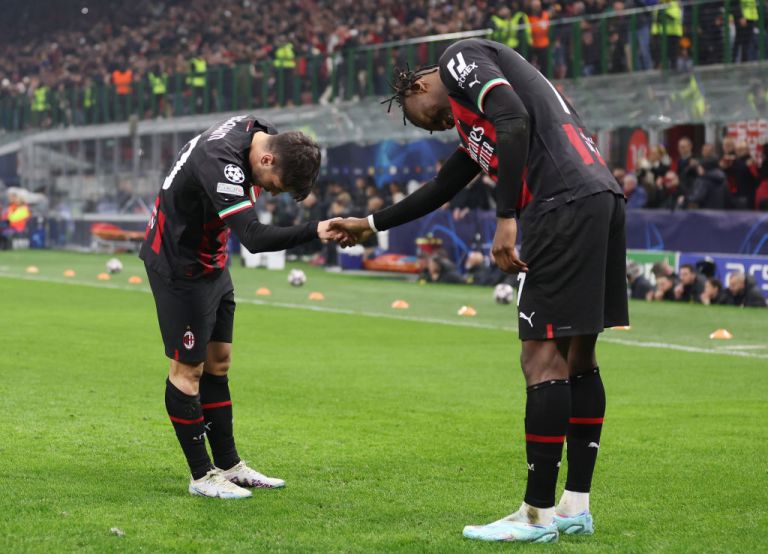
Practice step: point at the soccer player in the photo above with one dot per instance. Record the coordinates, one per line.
(516, 127)
(210, 190)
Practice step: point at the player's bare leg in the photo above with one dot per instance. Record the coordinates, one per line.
(583, 438)
(217, 410)
(185, 377)
(548, 407)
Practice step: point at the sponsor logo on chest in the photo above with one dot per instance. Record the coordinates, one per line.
(480, 148)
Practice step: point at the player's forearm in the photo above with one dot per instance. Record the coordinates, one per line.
(257, 237)
(457, 172)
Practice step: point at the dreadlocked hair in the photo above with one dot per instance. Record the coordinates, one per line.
(404, 83)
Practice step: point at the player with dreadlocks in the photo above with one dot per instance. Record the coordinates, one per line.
(405, 81)
(517, 128)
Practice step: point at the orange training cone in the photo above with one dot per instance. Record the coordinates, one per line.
(103, 277)
(33, 269)
(721, 334)
(316, 296)
(263, 291)
(400, 305)
(69, 273)
(134, 280)
(467, 311)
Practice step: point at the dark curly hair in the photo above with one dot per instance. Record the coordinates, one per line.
(297, 162)
(403, 84)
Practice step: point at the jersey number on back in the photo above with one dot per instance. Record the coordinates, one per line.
(180, 162)
(584, 145)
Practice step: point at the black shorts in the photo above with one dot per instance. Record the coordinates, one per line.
(193, 313)
(577, 269)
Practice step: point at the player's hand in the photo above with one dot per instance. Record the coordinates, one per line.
(325, 233)
(503, 249)
(678, 291)
(355, 229)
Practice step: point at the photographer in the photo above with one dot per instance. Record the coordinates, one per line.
(713, 293)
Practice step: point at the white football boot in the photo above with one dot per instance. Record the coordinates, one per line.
(214, 485)
(518, 527)
(244, 476)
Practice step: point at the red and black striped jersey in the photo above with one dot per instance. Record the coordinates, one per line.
(563, 161)
(210, 181)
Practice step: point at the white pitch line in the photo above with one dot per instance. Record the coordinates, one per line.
(70, 281)
(343, 311)
(683, 348)
(288, 305)
(742, 347)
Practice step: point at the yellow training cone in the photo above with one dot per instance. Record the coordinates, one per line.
(69, 273)
(33, 269)
(316, 296)
(134, 280)
(103, 277)
(467, 311)
(263, 291)
(400, 305)
(721, 334)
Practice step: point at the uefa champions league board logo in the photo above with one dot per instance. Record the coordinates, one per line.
(234, 174)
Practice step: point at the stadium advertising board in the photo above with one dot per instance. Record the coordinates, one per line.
(646, 259)
(727, 264)
(732, 232)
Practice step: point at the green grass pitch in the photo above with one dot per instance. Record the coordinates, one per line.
(393, 429)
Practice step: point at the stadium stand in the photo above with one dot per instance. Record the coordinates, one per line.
(62, 63)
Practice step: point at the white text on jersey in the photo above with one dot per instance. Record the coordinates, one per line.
(221, 131)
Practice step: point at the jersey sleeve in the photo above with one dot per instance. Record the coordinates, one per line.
(469, 69)
(224, 180)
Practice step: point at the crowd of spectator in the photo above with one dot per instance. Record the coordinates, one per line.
(188, 56)
(729, 179)
(694, 284)
(44, 57)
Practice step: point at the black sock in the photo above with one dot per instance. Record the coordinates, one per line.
(187, 418)
(586, 423)
(546, 421)
(217, 409)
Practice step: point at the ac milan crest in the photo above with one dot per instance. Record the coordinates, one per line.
(189, 340)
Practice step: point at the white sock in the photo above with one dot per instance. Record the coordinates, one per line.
(530, 514)
(573, 503)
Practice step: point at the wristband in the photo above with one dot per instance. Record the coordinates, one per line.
(371, 225)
